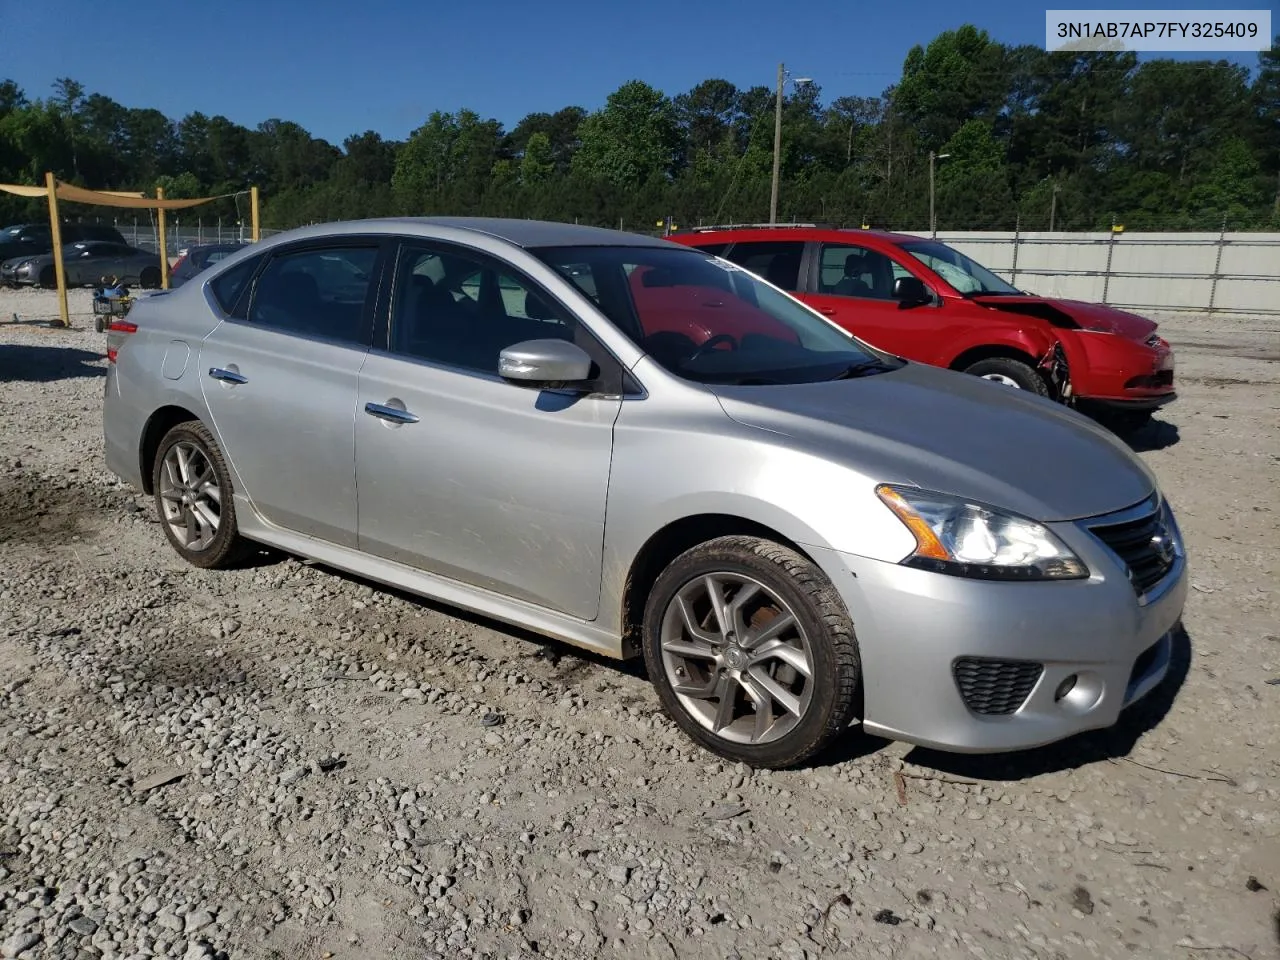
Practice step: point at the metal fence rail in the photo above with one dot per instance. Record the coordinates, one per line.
(1217, 273)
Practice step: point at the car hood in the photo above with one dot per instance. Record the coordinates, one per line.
(40, 259)
(1091, 316)
(954, 433)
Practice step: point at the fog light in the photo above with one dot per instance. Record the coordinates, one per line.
(1064, 688)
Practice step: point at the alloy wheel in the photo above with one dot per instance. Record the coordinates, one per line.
(737, 658)
(190, 496)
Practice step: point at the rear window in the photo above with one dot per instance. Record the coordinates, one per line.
(228, 287)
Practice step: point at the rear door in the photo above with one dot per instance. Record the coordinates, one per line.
(280, 377)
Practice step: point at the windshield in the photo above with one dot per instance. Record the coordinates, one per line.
(710, 321)
(967, 276)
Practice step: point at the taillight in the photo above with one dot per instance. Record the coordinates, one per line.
(119, 326)
(176, 264)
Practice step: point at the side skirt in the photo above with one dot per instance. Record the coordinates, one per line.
(518, 613)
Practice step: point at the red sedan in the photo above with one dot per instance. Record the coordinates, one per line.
(922, 300)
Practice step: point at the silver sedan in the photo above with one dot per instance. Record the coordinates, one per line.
(647, 451)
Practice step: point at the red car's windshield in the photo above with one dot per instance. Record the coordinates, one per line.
(967, 276)
(709, 320)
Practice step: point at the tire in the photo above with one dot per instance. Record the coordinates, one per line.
(149, 279)
(99, 324)
(1011, 373)
(820, 638)
(211, 546)
(49, 278)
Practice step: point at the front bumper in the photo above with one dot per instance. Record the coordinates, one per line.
(1125, 405)
(11, 275)
(913, 626)
(1114, 374)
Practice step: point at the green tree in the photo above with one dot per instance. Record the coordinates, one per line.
(632, 141)
(538, 165)
(961, 75)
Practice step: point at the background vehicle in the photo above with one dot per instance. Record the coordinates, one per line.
(197, 258)
(86, 263)
(644, 450)
(922, 300)
(33, 239)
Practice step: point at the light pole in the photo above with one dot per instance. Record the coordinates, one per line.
(777, 139)
(1053, 206)
(933, 221)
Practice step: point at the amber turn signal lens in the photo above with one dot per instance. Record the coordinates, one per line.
(927, 542)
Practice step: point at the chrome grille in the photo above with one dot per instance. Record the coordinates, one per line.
(1144, 545)
(994, 687)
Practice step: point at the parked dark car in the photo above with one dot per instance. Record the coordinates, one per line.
(197, 258)
(34, 239)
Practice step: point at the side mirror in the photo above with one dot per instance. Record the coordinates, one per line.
(541, 362)
(911, 291)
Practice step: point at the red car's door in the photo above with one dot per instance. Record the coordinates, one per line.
(853, 285)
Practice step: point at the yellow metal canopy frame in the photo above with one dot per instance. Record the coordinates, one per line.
(56, 190)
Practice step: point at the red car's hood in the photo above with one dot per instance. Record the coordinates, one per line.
(1091, 316)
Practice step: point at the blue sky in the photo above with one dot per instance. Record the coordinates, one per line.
(343, 66)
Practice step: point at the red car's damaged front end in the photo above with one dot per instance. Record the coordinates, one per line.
(1107, 361)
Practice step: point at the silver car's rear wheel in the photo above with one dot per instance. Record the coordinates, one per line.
(737, 657)
(752, 651)
(193, 494)
(190, 497)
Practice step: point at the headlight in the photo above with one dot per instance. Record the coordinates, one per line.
(969, 540)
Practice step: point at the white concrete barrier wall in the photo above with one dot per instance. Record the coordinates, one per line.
(1147, 271)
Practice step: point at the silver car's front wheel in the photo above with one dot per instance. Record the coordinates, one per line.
(737, 658)
(193, 495)
(752, 652)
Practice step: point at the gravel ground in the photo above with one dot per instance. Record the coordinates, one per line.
(284, 762)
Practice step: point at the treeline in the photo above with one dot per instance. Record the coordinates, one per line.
(1082, 139)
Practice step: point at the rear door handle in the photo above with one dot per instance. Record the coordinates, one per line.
(226, 376)
(391, 414)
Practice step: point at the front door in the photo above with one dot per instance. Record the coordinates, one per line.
(281, 383)
(853, 285)
(462, 473)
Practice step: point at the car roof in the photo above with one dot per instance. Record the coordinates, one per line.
(522, 233)
(789, 232)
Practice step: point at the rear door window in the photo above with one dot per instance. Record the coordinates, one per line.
(322, 292)
(778, 261)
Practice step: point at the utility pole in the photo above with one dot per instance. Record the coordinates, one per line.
(933, 221)
(777, 147)
(1053, 207)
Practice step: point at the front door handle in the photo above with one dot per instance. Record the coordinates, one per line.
(827, 311)
(226, 376)
(390, 414)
